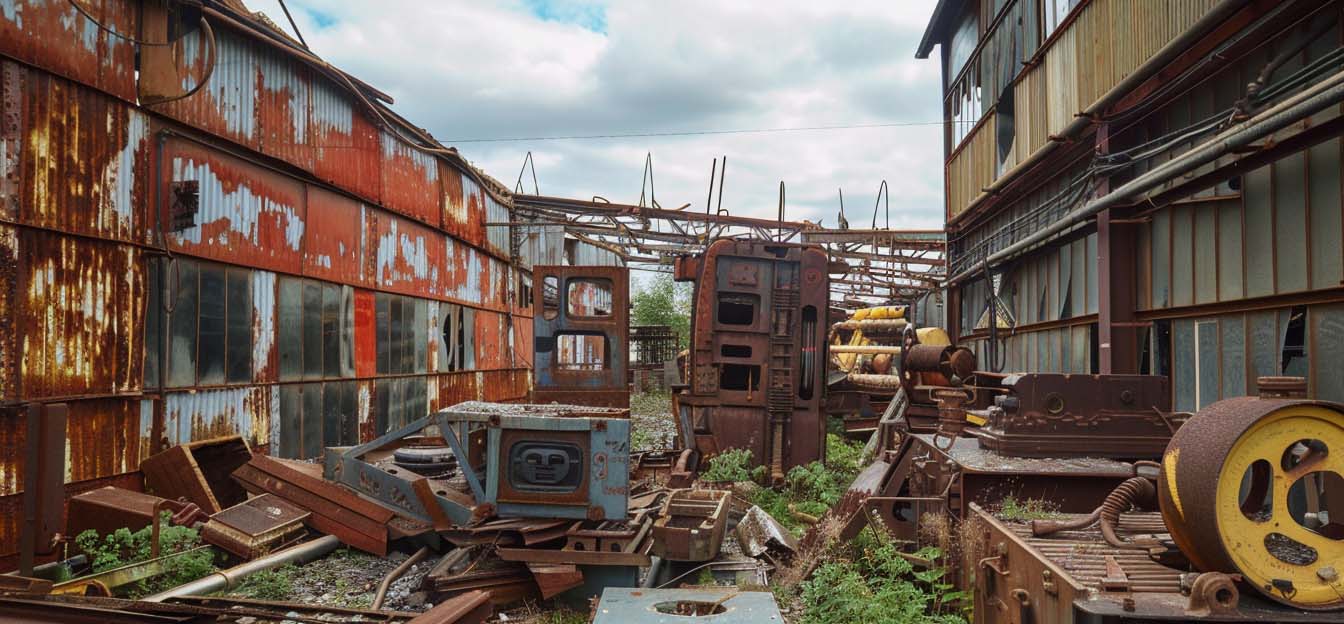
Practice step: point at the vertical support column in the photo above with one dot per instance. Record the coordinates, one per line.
(1117, 335)
(43, 483)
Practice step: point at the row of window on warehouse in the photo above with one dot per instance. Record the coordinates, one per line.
(212, 320)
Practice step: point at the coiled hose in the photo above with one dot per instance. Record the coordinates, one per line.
(1134, 492)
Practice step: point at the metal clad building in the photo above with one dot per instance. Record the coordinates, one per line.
(265, 255)
(1083, 166)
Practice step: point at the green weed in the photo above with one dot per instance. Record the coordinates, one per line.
(123, 547)
(1013, 510)
(275, 584)
(877, 585)
(732, 465)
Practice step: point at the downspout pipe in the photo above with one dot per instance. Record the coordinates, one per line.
(1314, 99)
(1155, 63)
(230, 578)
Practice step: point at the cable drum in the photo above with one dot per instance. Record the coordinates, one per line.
(1255, 486)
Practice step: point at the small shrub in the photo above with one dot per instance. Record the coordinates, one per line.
(731, 465)
(879, 586)
(123, 547)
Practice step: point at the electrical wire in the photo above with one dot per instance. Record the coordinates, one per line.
(638, 135)
(105, 28)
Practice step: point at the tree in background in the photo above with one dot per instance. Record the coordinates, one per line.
(661, 301)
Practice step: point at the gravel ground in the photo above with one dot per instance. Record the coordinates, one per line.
(652, 426)
(349, 578)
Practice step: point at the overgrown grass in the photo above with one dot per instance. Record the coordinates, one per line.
(732, 465)
(274, 584)
(1014, 510)
(876, 584)
(651, 403)
(123, 547)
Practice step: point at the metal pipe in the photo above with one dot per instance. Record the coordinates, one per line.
(227, 579)
(381, 594)
(865, 349)
(655, 567)
(1081, 121)
(1314, 99)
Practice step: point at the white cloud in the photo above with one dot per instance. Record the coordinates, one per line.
(475, 70)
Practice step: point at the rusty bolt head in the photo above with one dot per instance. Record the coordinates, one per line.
(1327, 574)
(1128, 604)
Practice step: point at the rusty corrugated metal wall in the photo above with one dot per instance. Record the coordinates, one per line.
(334, 281)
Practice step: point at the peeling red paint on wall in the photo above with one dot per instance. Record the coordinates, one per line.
(410, 179)
(333, 245)
(82, 158)
(54, 36)
(409, 257)
(346, 142)
(247, 214)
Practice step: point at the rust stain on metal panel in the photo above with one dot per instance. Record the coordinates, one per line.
(346, 142)
(81, 316)
(410, 180)
(333, 245)
(13, 428)
(408, 257)
(227, 105)
(283, 92)
(11, 136)
(86, 158)
(522, 341)
(205, 414)
(9, 293)
(457, 387)
(52, 35)
(103, 439)
(246, 214)
(464, 206)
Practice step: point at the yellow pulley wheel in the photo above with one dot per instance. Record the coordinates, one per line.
(1248, 486)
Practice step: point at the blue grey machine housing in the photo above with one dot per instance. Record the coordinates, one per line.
(542, 461)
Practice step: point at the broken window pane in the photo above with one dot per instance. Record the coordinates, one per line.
(1294, 360)
(589, 297)
(581, 351)
(290, 333)
(347, 331)
(239, 339)
(182, 354)
(550, 297)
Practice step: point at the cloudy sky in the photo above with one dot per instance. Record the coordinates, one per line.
(541, 68)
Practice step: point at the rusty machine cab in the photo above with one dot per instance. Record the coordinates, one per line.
(758, 352)
(582, 326)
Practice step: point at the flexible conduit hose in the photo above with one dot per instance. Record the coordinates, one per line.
(1134, 492)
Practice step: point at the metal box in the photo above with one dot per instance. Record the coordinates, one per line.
(522, 461)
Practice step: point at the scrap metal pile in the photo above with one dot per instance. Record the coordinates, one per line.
(1085, 498)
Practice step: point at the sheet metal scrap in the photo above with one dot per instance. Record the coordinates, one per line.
(256, 526)
(194, 609)
(760, 534)
(522, 461)
(582, 331)
(596, 543)
(470, 569)
(627, 605)
(334, 510)
(1076, 576)
(691, 525)
(110, 508)
(199, 472)
(469, 608)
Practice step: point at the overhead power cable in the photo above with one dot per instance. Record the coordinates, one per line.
(635, 135)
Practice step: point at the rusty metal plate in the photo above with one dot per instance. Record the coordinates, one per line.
(334, 509)
(55, 37)
(631, 605)
(200, 472)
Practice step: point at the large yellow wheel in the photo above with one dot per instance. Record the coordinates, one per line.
(1247, 487)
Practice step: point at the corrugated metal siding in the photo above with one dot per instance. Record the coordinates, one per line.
(284, 91)
(247, 215)
(410, 179)
(80, 315)
(334, 242)
(52, 35)
(103, 439)
(85, 157)
(971, 169)
(408, 258)
(227, 105)
(265, 356)
(205, 414)
(10, 351)
(346, 142)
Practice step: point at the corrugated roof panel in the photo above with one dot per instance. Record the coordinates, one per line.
(410, 180)
(347, 150)
(227, 105)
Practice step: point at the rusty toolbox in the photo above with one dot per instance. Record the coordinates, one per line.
(691, 526)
